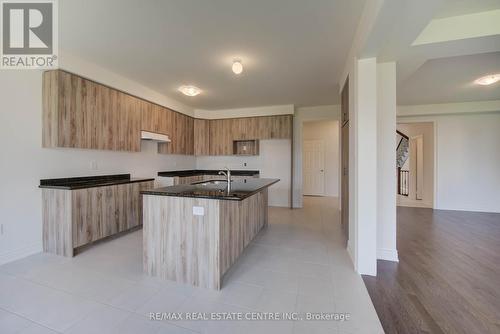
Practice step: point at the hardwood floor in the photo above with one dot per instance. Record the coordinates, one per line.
(448, 277)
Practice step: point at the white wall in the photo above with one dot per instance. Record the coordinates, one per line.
(328, 132)
(89, 70)
(274, 161)
(386, 162)
(307, 114)
(24, 162)
(365, 165)
(467, 160)
(286, 109)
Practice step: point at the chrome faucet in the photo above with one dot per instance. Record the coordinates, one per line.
(227, 174)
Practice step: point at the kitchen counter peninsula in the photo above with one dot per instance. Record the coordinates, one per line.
(194, 233)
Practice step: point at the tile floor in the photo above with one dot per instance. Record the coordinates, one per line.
(298, 264)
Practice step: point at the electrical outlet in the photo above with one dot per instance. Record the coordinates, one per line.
(198, 211)
(244, 164)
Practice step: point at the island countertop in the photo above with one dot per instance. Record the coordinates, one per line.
(215, 189)
(195, 172)
(83, 182)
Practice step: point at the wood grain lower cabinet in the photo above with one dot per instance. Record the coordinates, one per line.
(198, 250)
(80, 113)
(75, 218)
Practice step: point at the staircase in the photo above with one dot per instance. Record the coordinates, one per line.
(402, 153)
(402, 150)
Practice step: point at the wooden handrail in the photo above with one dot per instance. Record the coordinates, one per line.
(402, 134)
(399, 144)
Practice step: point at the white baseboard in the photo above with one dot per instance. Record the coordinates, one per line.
(387, 254)
(414, 204)
(20, 253)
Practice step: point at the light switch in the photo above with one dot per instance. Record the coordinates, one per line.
(198, 211)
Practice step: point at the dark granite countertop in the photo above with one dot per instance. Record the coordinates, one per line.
(83, 182)
(195, 172)
(240, 189)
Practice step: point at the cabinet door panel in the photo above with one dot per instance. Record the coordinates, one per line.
(76, 118)
(227, 136)
(265, 127)
(275, 127)
(148, 117)
(130, 121)
(104, 211)
(251, 128)
(179, 140)
(221, 141)
(201, 134)
(80, 113)
(156, 118)
(284, 124)
(189, 135)
(215, 130)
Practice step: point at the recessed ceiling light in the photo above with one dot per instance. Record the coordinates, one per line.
(189, 90)
(488, 80)
(237, 67)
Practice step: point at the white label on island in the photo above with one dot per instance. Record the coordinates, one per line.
(198, 211)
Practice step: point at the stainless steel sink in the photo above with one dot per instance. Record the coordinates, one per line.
(212, 182)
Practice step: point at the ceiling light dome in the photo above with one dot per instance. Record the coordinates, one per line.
(189, 90)
(237, 67)
(488, 79)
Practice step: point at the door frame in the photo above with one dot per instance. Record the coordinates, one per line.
(426, 119)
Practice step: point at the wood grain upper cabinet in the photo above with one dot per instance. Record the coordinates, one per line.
(221, 137)
(181, 136)
(80, 113)
(245, 128)
(275, 127)
(216, 141)
(189, 135)
(156, 118)
(201, 137)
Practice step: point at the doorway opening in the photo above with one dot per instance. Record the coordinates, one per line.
(320, 157)
(415, 164)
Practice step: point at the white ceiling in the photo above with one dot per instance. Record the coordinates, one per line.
(464, 7)
(451, 80)
(293, 51)
(440, 71)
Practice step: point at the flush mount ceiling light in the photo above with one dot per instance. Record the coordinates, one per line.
(237, 67)
(189, 90)
(488, 79)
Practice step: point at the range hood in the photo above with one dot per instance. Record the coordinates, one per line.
(159, 137)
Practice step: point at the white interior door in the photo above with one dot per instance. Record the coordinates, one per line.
(314, 167)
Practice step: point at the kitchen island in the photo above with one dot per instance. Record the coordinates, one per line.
(194, 233)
